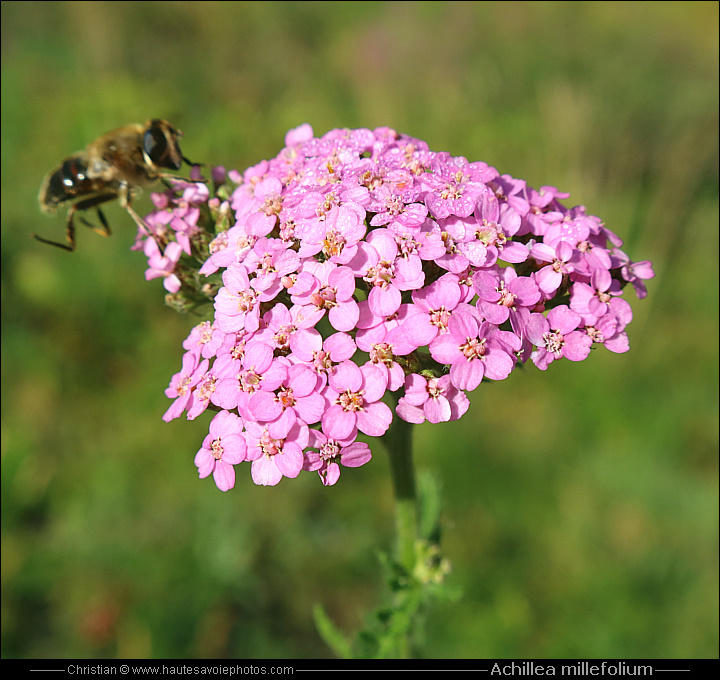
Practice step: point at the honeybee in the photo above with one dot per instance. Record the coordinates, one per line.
(112, 167)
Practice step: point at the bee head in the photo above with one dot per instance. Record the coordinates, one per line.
(160, 145)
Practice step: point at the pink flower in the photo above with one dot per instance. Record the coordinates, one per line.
(226, 248)
(331, 453)
(286, 330)
(300, 134)
(470, 353)
(635, 272)
(384, 343)
(425, 242)
(270, 260)
(487, 238)
(556, 337)
(183, 384)
(560, 258)
(163, 264)
(259, 369)
(330, 288)
(389, 275)
(361, 262)
(353, 395)
(223, 447)
(393, 209)
(609, 329)
(274, 458)
(434, 399)
(434, 304)
(200, 336)
(456, 187)
(295, 399)
(502, 292)
(594, 298)
(324, 355)
(202, 394)
(237, 306)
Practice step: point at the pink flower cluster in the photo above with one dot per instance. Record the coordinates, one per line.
(362, 263)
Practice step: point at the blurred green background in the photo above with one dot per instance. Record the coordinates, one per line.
(580, 504)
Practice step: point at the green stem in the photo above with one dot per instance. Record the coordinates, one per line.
(398, 441)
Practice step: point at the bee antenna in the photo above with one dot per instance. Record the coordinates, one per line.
(189, 162)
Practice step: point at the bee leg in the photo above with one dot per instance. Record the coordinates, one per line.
(69, 246)
(125, 199)
(104, 229)
(103, 220)
(142, 225)
(88, 203)
(138, 220)
(167, 179)
(70, 232)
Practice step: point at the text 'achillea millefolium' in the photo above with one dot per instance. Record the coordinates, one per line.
(362, 263)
